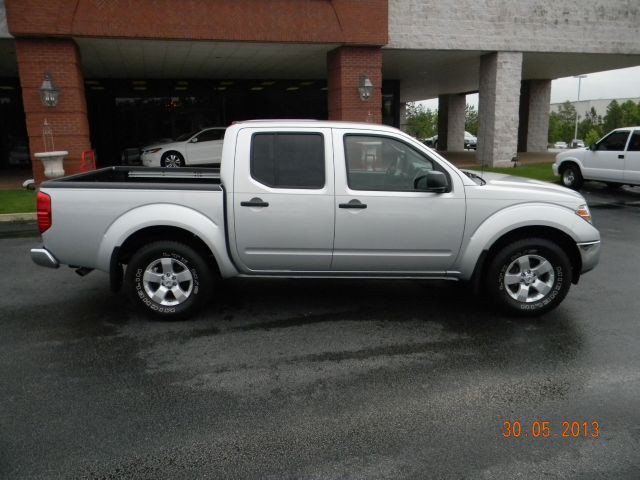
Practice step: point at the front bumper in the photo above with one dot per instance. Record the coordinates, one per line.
(590, 254)
(44, 258)
(554, 167)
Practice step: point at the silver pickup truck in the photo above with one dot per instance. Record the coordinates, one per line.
(317, 199)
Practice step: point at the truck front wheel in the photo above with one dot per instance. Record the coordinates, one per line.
(168, 279)
(529, 277)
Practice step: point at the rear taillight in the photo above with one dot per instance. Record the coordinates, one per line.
(44, 212)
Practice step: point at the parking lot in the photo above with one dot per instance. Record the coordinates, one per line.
(322, 379)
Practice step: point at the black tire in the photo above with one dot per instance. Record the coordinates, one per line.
(506, 277)
(167, 261)
(571, 177)
(172, 160)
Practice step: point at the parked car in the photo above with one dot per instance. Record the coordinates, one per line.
(431, 141)
(560, 145)
(577, 143)
(470, 141)
(614, 159)
(317, 199)
(202, 147)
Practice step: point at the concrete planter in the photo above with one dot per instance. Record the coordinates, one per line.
(52, 162)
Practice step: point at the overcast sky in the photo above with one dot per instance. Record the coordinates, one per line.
(622, 83)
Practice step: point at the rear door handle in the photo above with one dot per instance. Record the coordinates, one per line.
(620, 156)
(353, 204)
(254, 202)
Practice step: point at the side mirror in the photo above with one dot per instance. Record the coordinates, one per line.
(432, 181)
(593, 147)
(194, 140)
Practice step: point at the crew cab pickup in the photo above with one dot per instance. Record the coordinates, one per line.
(317, 199)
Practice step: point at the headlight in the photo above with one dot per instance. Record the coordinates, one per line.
(152, 150)
(584, 213)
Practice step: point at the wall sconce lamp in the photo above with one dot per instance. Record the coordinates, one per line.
(365, 88)
(48, 92)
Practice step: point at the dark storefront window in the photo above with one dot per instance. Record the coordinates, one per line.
(129, 114)
(14, 142)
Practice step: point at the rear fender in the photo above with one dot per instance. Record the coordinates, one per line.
(166, 215)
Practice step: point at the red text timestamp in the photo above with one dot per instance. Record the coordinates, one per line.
(542, 429)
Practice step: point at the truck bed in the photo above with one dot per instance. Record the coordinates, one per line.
(141, 177)
(95, 211)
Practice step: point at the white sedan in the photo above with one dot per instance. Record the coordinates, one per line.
(202, 147)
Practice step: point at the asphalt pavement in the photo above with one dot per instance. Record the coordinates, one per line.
(323, 379)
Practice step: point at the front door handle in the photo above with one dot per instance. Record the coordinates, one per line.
(254, 202)
(353, 204)
(620, 156)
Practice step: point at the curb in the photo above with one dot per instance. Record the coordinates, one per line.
(18, 217)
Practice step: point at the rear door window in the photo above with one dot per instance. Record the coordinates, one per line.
(288, 160)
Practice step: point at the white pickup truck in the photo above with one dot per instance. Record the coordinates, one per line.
(317, 199)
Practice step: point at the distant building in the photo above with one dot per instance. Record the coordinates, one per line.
(600, 105)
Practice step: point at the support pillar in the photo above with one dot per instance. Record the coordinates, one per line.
(451, 122)
(68, 120)
(403, 116)
(346, 65)
(498, 110)
(535, 97)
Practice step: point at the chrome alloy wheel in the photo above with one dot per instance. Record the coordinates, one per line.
(569, 177)
(167, 281)
(172, 161)
(529, 278)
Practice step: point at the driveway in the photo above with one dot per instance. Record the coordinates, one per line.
(322, 379)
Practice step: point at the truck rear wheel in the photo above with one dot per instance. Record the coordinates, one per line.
(168, 279)
(529, 277)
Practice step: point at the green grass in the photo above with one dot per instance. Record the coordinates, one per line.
(17, 201)
(537, 171)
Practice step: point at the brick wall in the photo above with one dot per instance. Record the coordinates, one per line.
(68, 120)
(345, 67)
(362, 22)
(583, 26)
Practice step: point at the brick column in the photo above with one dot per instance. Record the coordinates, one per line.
(451, 122)
(345, 66)
(500, 75)
(68, 120)
(534, 102)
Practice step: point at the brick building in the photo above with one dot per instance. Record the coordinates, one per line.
(131, 72)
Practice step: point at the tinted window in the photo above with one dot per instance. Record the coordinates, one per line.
(209, 135)
(288, 160)
(380, 163)
(634, 143)
(615, 142)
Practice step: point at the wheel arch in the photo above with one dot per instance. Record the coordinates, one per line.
(562, 166)
(562, 239)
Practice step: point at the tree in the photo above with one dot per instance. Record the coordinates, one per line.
(591, 137)
(592, 122)
(630, 114)
(562, 123)
(471, 119)
(614, 116)
(422, 122)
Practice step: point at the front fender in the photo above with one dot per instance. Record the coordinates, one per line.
(520, 216)
(166, 215)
